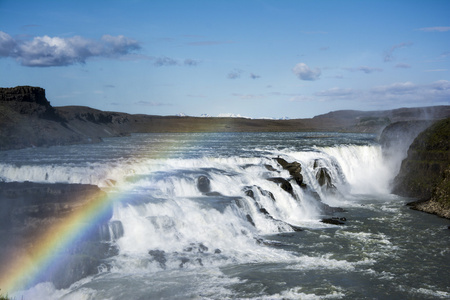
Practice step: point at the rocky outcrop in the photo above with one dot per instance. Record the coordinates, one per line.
(27, 119)
(28, 100)
(294, 169)
(424, 174)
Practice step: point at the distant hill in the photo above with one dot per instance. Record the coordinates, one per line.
(27, 119)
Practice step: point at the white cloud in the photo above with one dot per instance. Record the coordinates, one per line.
(398, 93)
(302, 71)
(408, 92)
(7, 44)
(45, 51)
(395, 88)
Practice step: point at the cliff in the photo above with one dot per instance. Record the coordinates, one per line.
(28, 210)
(27, 119)
(425, 173)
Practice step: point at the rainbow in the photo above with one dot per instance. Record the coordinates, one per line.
(29, 266)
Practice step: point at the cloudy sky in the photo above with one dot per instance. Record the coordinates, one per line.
(255, 58)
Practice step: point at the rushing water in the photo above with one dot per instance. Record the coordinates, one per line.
(235, 239)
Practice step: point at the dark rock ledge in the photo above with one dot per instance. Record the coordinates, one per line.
(425, 173)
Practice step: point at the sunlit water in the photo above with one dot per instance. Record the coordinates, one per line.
(237, 241)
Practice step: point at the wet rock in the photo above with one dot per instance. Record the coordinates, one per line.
(264, 211)
(200, 248)
(267, 194)
(316, 163)
(334, 221)
(294, 169)
(217, 251)
(270, 168)
(250, 220)
(284, 184)
(250, 194)
(323, 178)
(203, 184)
(248, 190)
(159, 256)
(184, 260)
(200, 262)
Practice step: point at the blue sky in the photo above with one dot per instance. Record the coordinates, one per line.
(254, 58)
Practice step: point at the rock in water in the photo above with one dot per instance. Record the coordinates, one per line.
(284, 184)
(324, 178)
(203, 184)
(334, 221)
(294, 168)
(159, 256)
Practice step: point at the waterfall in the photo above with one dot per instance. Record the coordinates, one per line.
(208, 211)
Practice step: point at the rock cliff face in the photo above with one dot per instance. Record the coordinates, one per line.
(28, 210)
(425, 173)
(27, 119)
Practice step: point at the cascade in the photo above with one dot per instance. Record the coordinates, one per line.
(198, 212)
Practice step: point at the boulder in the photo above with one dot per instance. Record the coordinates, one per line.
(334, 221)
(323, 178)
(284, 184)
(294, 169)
(203, 184)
